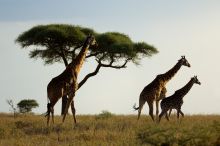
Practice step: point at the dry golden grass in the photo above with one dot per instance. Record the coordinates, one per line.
(109, 130)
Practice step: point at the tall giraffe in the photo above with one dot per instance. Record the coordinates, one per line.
(156, 90)
(175, 101)
(66, 82)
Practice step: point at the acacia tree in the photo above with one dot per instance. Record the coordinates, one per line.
(26, 105)
(62, 43)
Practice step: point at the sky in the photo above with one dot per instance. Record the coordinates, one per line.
(175, 28)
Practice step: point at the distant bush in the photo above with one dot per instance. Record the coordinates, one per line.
(104, 115)
(22, 124)
(26, 105)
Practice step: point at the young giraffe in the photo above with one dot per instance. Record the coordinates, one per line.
(175, 101)
(156, 90)
(66, 82)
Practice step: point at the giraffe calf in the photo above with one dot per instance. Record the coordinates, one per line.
(170, 103)
(175, 101)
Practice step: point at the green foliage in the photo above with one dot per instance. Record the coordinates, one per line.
(104, 115)
(51, 41)
(118, 46)
(27, 105)
(53, 34)
(55, 42)
(87, 31)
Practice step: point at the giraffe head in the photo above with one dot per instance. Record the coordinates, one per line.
(90, 40)
(184, 62)
(195, 80)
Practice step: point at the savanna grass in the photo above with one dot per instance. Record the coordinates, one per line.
(109, 129)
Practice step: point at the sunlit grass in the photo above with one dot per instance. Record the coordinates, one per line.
(109, 129)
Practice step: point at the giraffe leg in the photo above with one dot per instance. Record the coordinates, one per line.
(178, 114)
(71, 95)
(52, 113)
(141, 104)
(170, 112)
(73, 111)
(181, 113)
(151, 109)
(48, 113)
(161, 114)
(157, 108)
(167, 117)
(48, 118)
(66, 110)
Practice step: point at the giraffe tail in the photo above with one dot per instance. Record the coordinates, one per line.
(134, 107)
(48, 109)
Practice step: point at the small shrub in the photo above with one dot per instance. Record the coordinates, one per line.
(22, 124)
(104, 115)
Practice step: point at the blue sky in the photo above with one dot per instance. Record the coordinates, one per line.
(190, 28)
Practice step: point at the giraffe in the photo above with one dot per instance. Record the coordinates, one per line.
(175, 101)
(66, 82)
(156, 90)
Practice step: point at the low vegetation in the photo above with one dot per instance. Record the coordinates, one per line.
(109, 129)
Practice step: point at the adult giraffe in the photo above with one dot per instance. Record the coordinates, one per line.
(66, 82)
(156, 90)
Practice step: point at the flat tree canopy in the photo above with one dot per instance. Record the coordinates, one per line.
(62, 42)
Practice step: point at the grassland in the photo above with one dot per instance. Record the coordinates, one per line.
(109, 130)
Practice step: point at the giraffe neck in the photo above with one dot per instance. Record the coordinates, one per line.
(77, 63)
(184, 90)
(168, 75)
(79, 60)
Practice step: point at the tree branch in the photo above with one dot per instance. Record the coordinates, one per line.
(89, 75)
(91, 55)
(64, 57)
(100, 64)
(92, 73)
(115, 66)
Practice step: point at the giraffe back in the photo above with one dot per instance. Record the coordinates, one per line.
(152, 91)
(172, 102)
